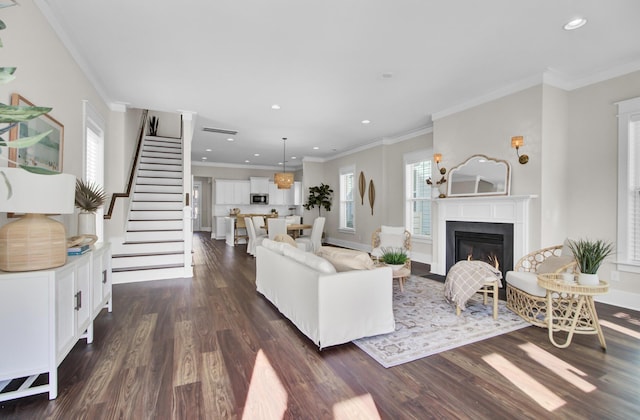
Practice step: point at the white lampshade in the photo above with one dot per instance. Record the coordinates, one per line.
(33, 193)
(34, 242)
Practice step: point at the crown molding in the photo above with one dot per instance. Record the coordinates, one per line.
(408, 136)
(241, 166)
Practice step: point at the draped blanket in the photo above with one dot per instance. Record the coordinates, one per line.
(467, 277)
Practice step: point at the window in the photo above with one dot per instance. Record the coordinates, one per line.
(347, 216)
(628, 247)
(418, 194)
(94, 156)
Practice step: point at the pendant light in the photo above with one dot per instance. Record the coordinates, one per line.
(284, 179)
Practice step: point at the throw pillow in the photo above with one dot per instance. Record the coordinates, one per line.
(553, 264)
(310, 260)
(277, 247)
(346, 259)
(281, 237)
(565, 248)
(398, 230)
(391, 240)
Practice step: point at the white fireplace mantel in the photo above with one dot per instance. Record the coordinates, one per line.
(491, 209)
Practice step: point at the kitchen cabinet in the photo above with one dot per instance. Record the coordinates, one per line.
(232, 192)
(292, 196)
(44, 313)
(259, 185)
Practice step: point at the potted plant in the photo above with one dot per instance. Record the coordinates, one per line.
(319, 196)
(589, 254)
(89, 197)
(394, 257)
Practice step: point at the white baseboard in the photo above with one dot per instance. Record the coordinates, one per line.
(620, 298)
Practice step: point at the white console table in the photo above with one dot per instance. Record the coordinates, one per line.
(44, 313)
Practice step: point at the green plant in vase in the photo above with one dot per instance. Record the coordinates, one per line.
(88, 198)
(394, 257)
(589, 255)
(319, 196)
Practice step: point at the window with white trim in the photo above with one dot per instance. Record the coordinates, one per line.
(628, 246)
(94, 157)
(417, 206)
(347, 203)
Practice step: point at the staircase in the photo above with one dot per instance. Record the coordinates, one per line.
(154, 245)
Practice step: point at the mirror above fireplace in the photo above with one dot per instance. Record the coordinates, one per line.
(479, 176)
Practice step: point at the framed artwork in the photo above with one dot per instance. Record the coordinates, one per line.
(47, 153)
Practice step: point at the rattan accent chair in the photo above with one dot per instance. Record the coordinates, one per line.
(530, 302)
(376, 245)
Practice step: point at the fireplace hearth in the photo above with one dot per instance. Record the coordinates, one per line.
(480, 241)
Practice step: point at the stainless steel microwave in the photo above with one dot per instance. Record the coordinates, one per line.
(259, 199)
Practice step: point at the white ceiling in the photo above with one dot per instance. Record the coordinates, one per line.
(323, 62)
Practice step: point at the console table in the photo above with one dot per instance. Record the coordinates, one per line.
(570, 308)
(42, 316)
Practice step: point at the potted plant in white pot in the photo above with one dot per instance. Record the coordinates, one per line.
(394, 257)
(589, 254)
(89, 197)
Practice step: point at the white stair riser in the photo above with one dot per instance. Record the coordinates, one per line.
(146, 260)
(160, 167)
(151, 152)
(144, 180)
(161, 160)
(150, 196)
(163, 140)
(155, 215)
(160, 174)
(154, 224)
(153, 236)
(162, 148)
(159, 188)
(148, 248)
(145, 205)
(147, 275)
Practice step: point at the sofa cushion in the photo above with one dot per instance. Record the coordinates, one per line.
(277, 247)
(346, 259)
(309, 259)
(526, 281)
(553, 264)
(282, 237)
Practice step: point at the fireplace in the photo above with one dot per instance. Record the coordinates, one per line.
(480, 241)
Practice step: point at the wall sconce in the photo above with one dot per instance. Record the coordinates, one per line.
(517, 142)
(437, 159)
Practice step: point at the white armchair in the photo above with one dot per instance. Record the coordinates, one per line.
(391, 237)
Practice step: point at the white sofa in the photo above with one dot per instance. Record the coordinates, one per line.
(327, 306)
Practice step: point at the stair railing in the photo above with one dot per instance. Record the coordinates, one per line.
(134, 165)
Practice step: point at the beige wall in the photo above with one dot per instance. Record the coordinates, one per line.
(48, 76)
(592, 175)
(169, 124)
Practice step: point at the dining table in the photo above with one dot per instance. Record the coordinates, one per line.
(294, 229)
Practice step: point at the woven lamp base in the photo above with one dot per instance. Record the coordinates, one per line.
(35, 242)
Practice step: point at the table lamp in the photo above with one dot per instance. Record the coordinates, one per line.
(35, 241)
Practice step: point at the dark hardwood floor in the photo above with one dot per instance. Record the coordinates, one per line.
(212, 348)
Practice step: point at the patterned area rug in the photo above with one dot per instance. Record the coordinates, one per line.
(427, 324)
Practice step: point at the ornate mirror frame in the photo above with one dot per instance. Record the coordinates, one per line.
(480, 176)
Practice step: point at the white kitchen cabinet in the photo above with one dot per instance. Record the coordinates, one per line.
(276, 196)
(259, 185)
(44, 313)
(232, 192)
(220, 227)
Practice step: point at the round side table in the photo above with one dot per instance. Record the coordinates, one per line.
(570, 308)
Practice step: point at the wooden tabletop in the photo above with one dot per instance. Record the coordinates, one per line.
(298, 226)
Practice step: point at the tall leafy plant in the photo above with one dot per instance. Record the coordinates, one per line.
(10, 117)
(319, 196)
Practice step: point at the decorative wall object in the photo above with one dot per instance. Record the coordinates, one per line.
(362, 185)
(372, 195)
(45, 154)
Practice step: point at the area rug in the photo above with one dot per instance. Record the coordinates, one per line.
(427, 324)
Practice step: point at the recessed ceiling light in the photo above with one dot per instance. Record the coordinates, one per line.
(204, 158)
(275, 106)
(366, 122)
(280, 163)
(293, 157)
(575, 24)
(256, 154)
(247, 161)
(230, 139)
(315, 148)
(207, 150)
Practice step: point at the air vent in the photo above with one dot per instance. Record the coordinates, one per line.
(219, 130)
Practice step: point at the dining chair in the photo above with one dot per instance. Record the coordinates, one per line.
(258, 225)
(313, 242)
(254, 240)
(276, 227)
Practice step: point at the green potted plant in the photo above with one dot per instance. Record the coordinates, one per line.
(589, 254)
(394, 257)
(89, 197)
(319, 196)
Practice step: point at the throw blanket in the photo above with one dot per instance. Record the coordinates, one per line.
(467, 277)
